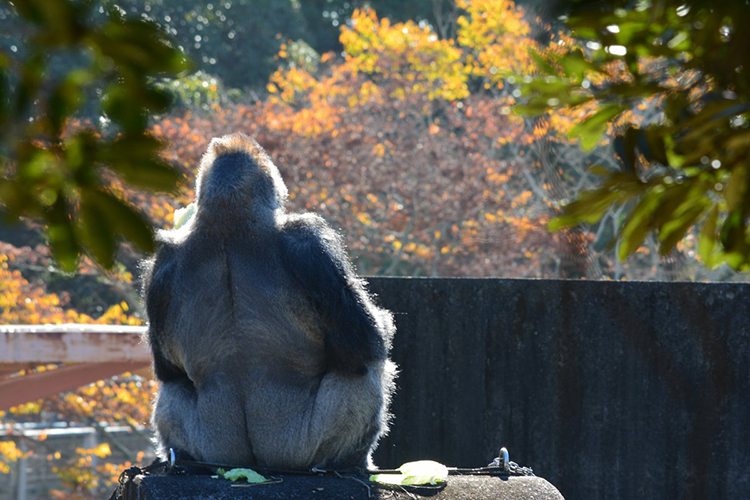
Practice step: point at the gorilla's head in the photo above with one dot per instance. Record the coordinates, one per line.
(237, 176)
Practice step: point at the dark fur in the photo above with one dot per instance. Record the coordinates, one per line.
(269, 349)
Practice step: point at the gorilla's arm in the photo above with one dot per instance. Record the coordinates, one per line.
(356, 331)
(158, 288)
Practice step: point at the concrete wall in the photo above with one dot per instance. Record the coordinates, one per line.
(607, 389)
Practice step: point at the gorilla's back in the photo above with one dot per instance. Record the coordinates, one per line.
(245, 297)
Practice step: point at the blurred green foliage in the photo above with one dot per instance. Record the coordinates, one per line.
(692, 166)
(60, 176)
(197, 90)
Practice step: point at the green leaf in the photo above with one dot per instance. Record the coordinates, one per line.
(80, 156)
(542, 63)
(652, 145)
(136, 159)
(676, 106)
(576, 66)
(66, 98)
(629, 30)
(122, 108)
(707, 239)
(674, 157)
(248, 474)
(589, 131)
(674, 230)
(156, 99)
(32, 73)
(588, 208)
(96, 233)
(15, 198)
(123, 219)
(736, 187)
(732, 233)
(624, 145)
(600, 171)
(535, 109)
(140, 47)
(637, 225)
(62, 237)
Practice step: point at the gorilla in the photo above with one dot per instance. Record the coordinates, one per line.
(269, 349)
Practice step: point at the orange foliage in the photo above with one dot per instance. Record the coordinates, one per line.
(409, 190)
(24, 303)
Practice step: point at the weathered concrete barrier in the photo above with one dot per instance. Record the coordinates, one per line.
(328, 487)
(609, 390)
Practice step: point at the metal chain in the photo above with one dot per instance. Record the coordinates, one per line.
(503, 462)
(517, 470)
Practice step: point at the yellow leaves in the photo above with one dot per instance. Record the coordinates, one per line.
(101, 451)
(521, 199)
(410, 56)
(283, 54)
(9, 452)
(497, 35)
(402, 61)
(364, 218)
(378, 150)
(29, 408)
(289, 83)
(25, 303)
(368, 92)
(541, 129)
(497, 177)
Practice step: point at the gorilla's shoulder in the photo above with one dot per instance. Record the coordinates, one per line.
(159, 261)
(309, 232)
(304, 224)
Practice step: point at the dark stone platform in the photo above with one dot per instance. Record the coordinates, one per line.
(347, 487)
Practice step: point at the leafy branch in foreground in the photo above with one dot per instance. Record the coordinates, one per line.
(692, 165)
(61, 177)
